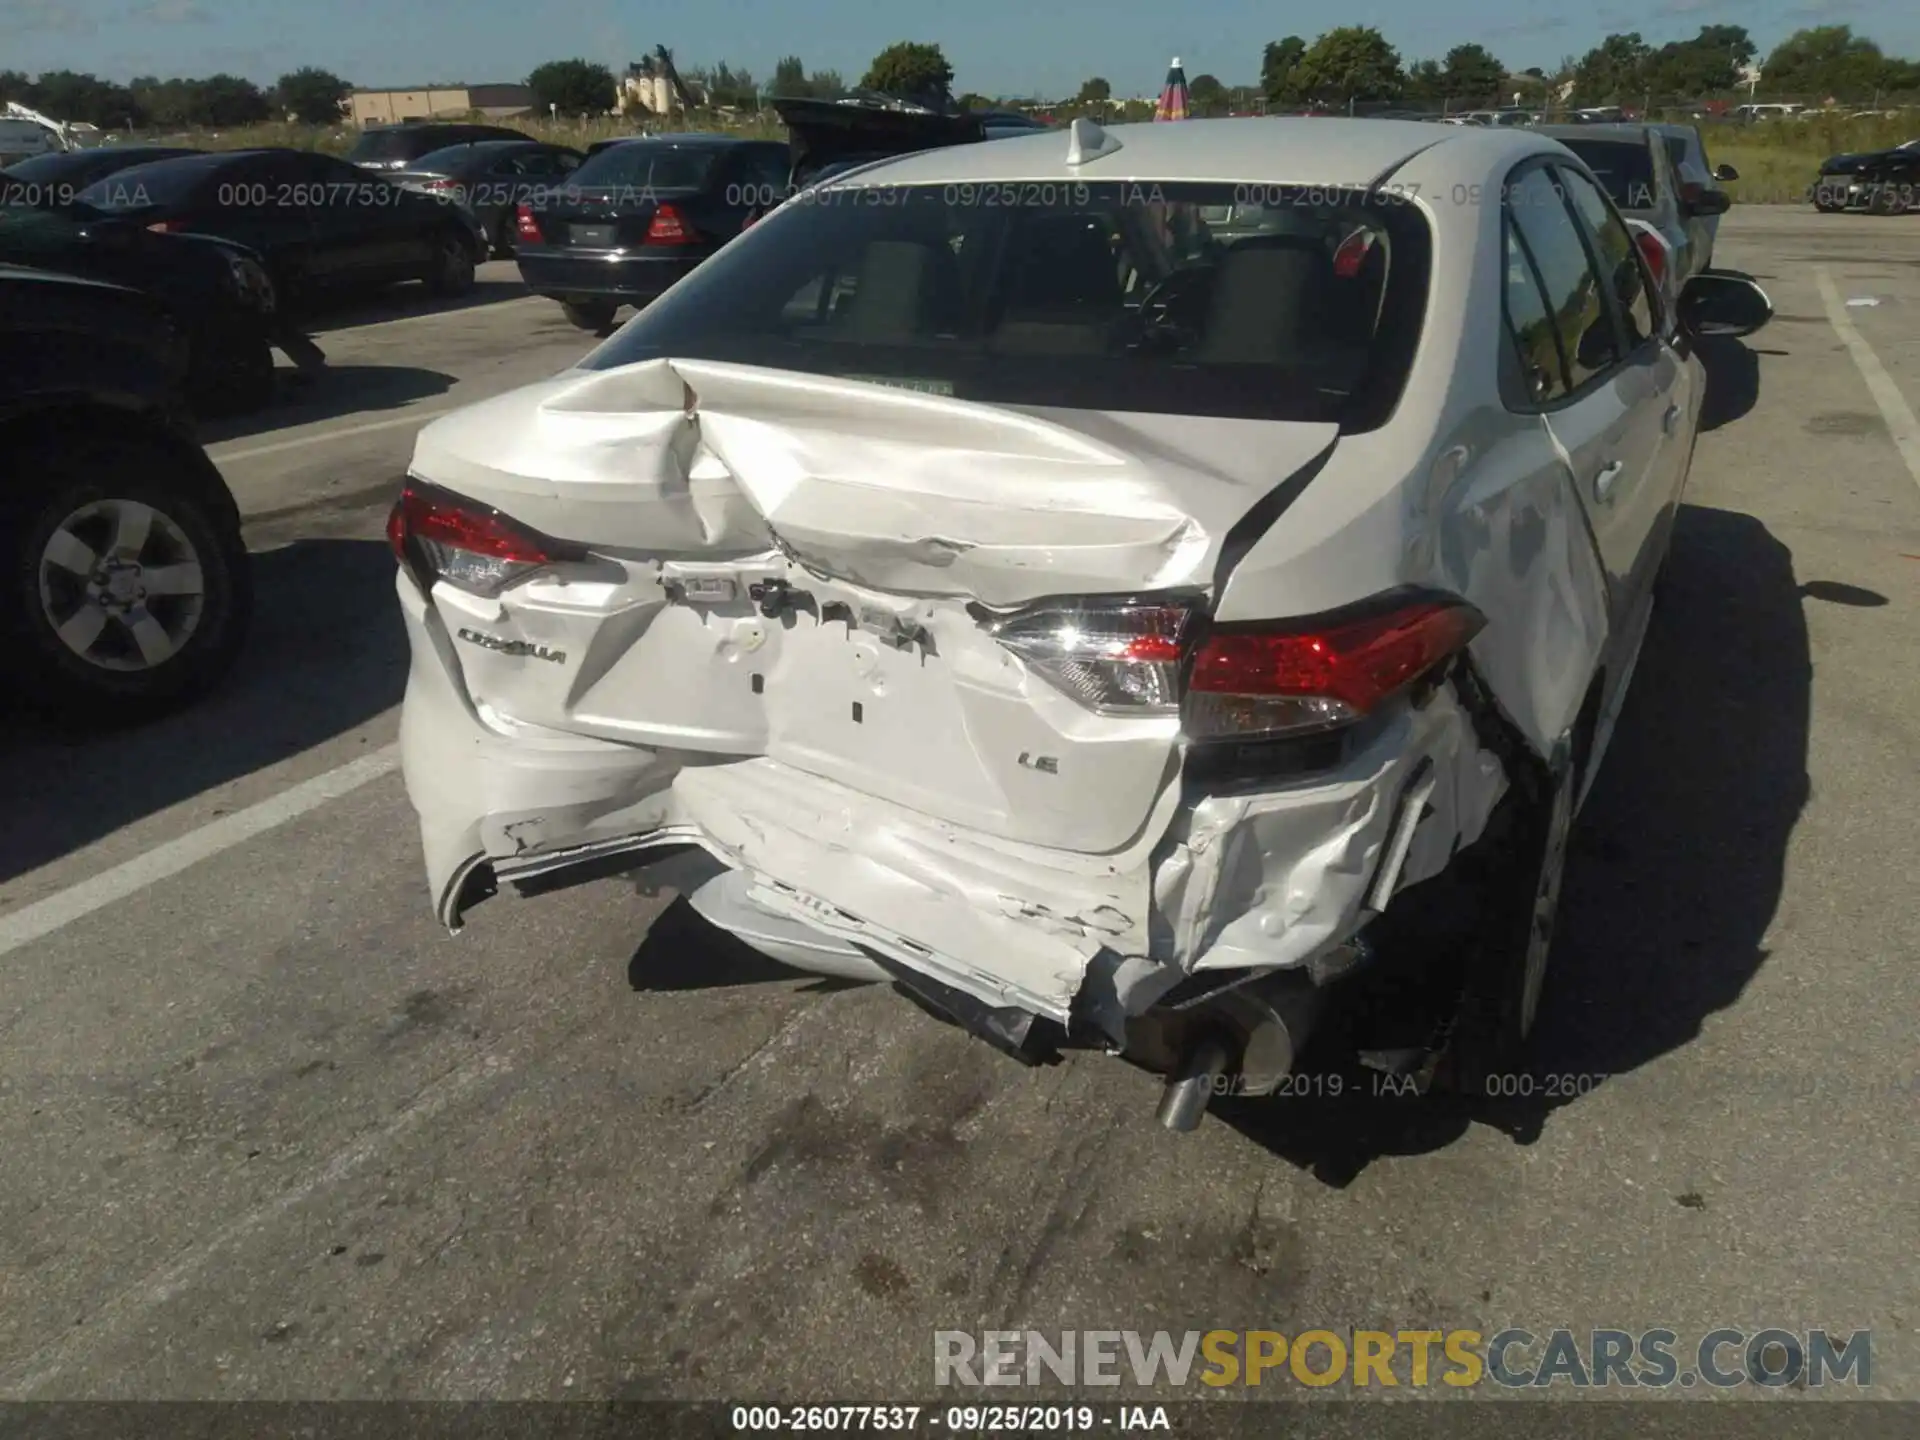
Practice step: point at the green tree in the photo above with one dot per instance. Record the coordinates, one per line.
(1095, 92)
(1277, 64)
(1206, 96)
(826, 85)
(1472, 75)
(229, 100)
(910, 68)
(1353, 62)
(574, 87)
(312, 96)
(1615, 69)
(789, 79)
(1425, 84)
(72, 95)
(1825, 60)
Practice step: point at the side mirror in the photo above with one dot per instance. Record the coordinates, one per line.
(1709, 202)
(1725, 174)
(1719, 302)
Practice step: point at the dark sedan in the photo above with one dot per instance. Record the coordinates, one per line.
(1887, 182)
(50, 182)
(321, 225)
(493, 178)
(639, 215)
(219, 295)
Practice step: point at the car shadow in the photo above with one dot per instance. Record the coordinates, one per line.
(1733, 380)
(1674, 877)
(328, 392)
(682, 951)
(498, 281)
(326, 653)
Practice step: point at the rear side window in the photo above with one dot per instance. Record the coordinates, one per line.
(1573, 292)
(1625, 167)
(1530, 326)
(656, 167)
(1619, 261)
(1164, 298)
(387, 145)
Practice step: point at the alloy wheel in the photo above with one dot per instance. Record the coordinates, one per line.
(121, 585)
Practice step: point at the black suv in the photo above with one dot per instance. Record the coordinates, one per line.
(394, 147)
(124, 587)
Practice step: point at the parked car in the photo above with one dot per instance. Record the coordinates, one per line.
(493, 178)
(1886, 182)
(218, 293)
(24, 139)
(52, 181)
(1687, 149)
(127, 590)
(395, 147)
(638, 216)
(1636, 167)
(321, 225)
(1105, 636)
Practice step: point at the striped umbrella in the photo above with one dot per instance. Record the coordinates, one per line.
(1173, 95)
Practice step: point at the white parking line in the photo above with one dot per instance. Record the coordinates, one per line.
(43, 917)
(163, 1284)
(415, 417)
(1901, 424)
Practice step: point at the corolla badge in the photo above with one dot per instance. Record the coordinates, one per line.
(512, 647)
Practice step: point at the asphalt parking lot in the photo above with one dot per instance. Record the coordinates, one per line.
(268, 1132)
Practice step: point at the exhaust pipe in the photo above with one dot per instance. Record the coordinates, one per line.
(1191, 1086)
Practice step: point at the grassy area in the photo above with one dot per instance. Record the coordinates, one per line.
(1777, 160)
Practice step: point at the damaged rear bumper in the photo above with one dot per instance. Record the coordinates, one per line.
(1271, 876)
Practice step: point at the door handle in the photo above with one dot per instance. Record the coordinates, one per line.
(1608, 477)
(1670, 419)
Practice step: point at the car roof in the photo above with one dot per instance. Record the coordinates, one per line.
(1292, 150)
(1629, 132)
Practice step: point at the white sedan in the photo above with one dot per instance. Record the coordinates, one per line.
(1114, 585)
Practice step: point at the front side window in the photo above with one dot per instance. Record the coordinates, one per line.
(1168, 298)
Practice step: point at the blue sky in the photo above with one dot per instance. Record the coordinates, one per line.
(996, 46)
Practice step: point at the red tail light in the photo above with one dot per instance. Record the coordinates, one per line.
(1281, 678)
(1127, 657)
(168, 227)
(438, 535)
(526, 227)
(1653, 250)
(669, 227)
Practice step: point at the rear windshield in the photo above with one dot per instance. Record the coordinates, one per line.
(163, 182)
(1624, 169)
(406, 144)
(640, 164)
(1217, 300)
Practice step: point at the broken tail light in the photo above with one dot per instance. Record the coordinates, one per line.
(1294, 677)
(526, 227)
(669, 227)
(1116, 658)
(438, 535)
(1245, 682)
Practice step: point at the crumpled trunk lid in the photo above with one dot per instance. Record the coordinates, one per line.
(792, 567)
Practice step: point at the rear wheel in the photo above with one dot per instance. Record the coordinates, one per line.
(1888, 199)
(127, 587)
(503, 235)
(594, 315)
(1507, 971)
(453, 265)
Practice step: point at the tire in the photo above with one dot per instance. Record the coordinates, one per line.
(1507, 969)
(1824, 202)
(502, 239)
(453, 265)
(594, 315)
(120, 654)
(1887, 200)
